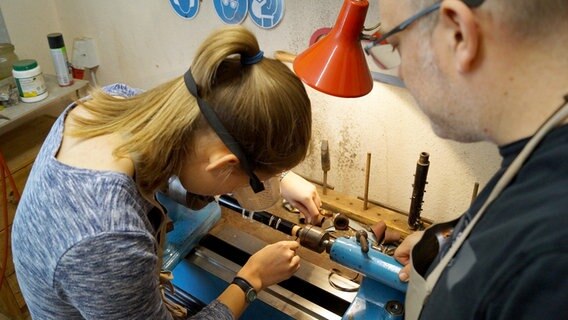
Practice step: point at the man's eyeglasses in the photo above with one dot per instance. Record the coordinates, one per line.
(388, 57)
(385, 55)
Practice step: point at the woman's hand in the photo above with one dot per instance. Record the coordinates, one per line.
(402, 253)
(272, 264)
(301, 194)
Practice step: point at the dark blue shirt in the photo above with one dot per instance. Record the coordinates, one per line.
(514, 264)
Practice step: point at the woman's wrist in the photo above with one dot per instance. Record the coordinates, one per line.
(254, 281)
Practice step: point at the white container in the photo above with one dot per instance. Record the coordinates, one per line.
(29, 80)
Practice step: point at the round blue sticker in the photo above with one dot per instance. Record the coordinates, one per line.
(266, 13)
(186, 9)
(231, 11)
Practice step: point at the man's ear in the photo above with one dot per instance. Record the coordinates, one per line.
(224, 161)
(463, 33)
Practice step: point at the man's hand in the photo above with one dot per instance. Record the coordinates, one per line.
(402, 253)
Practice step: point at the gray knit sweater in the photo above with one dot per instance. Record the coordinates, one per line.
(82, 244)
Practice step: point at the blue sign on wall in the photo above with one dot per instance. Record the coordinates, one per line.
(186, 9)
(266, 13)
(231, 11)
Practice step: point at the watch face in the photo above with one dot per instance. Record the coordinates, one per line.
(251, 295)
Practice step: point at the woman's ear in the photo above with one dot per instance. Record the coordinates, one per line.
(459, 23)
(222, 162)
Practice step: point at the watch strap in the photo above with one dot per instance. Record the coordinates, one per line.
(248, 289)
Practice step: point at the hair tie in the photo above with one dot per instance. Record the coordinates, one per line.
(248, 60)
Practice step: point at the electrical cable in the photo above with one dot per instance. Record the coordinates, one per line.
(92, 73)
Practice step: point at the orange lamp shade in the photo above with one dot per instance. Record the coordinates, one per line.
(336, 64)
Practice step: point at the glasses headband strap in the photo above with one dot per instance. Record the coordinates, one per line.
(223, 134)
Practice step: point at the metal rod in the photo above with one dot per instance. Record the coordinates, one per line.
(367, 174)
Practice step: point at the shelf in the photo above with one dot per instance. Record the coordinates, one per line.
(22, 111)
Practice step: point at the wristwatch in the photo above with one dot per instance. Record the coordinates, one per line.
(250, 293)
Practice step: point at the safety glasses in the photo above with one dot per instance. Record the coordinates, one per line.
(245, 196)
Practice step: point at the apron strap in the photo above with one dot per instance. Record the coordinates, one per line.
(421, 257)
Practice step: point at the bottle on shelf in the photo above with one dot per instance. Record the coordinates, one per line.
(7, 59)
(60, 60)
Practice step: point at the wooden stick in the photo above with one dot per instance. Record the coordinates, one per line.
(367, 174)
(284, 56)
(325, 182)
(325, 163)
(474, 193)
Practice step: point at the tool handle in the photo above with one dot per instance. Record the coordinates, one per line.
(361, 236)
(325, 162)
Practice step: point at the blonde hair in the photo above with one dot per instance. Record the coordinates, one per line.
(263, 105)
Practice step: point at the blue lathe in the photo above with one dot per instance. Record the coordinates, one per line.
(203, 264)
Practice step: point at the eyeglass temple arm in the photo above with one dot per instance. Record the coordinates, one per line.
(404, 24)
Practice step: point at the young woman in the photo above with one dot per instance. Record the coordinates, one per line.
(86, 239)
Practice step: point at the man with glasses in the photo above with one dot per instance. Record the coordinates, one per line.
(493, 71)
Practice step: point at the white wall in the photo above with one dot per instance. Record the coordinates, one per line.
(143, 43)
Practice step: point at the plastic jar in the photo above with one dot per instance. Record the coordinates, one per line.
(29, 80)
(7, 58)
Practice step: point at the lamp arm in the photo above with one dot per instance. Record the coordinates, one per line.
(373, 27)
(368, 37)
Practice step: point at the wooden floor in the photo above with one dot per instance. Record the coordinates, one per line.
(4, 317)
